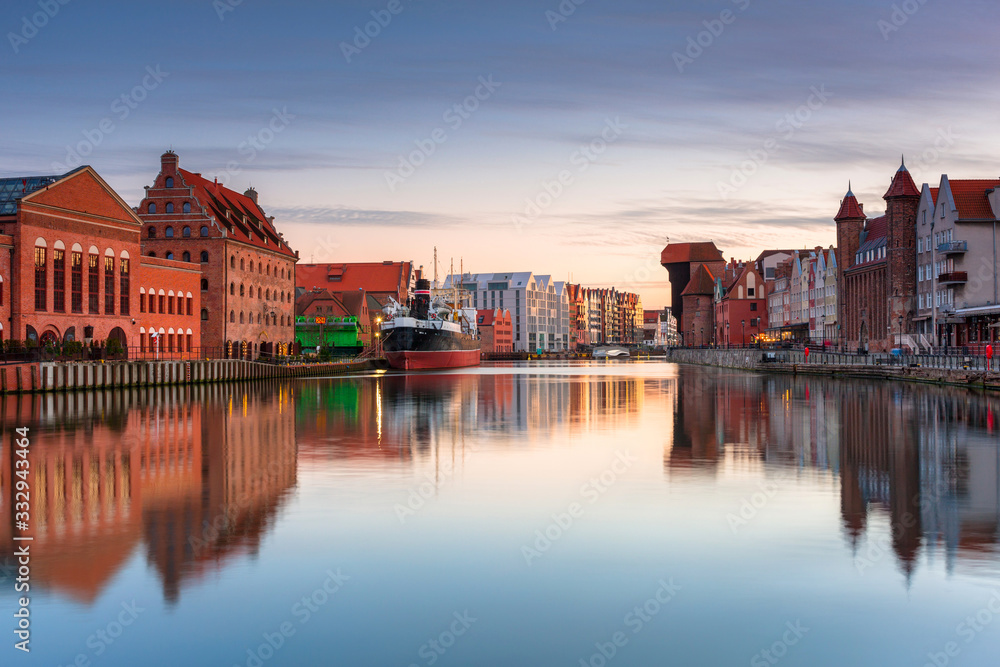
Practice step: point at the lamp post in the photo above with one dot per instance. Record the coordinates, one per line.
(727, 334)
(899, 340)
(743, 335)
(701, 338)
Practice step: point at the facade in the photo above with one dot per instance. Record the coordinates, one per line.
(169, 308)
(958, 300)
(339, 306)
(248, 270)
(740, 305)
(693, 269)
(496, 331)
(877, 261)
(71, 270)
(539, 306)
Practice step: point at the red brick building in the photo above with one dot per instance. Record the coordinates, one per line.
(693, 269)
(247, 279)
(169, 308)
(496, 331)
(379, 280)
(70, 272)
(741, 305)
(877, 260)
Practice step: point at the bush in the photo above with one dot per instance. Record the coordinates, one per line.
(113, 347)
(72, 348)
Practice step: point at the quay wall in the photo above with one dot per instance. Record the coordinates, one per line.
(74, 376)
(961, 371)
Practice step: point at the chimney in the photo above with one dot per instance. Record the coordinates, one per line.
(168, 162)
(252, 194)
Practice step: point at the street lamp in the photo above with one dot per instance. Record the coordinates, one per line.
(727, 334)
(701, 338)
(743, 335)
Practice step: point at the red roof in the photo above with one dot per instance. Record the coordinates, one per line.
(971, 200)
(850, 209)
(343, 304)
(683, 253)
(934, 193)
(902, 185)
(374, 277)
(243, 218)
(876, 228)
(702, 282)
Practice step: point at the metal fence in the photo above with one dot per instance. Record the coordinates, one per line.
(941, 361)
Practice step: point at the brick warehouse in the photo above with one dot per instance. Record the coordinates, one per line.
(247, 280)
(70, 271)
(877, 257)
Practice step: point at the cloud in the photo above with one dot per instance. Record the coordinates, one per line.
(319, 215)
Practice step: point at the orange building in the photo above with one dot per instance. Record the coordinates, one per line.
(496, 331)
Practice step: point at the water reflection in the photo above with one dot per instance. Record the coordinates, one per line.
(923, 460)
(193, 476)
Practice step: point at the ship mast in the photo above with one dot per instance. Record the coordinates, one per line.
(435, 267)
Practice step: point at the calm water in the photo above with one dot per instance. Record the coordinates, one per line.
(620, 514)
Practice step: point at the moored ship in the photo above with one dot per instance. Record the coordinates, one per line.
(429, 334)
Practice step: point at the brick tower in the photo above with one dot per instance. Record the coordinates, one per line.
(902, 200)
(850, 221)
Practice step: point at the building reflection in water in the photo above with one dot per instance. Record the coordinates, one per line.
(925, 458)
(193, 475)
(404, 418)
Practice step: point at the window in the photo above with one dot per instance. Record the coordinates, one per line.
(170, 182)
(204, 230)
(753, 307)
(170, 305)
(232, 289)
(242, 264)
(142, 302)
(190, 302)
(169, 231)
(41, 279)
(76, 281)
(152, 302)
(232, 261)
(151, 232)
(186, 232)
(186, 256)
(123, 284)
(59, 281)
(204, 257)
(232, 316)
(251, 266)
(169, 208)
(93, 284)
(169, 255)
(241, 290)
(204, 314)
(189, 340)
(109, 285)
(161, 304)
(750, 292)
(204, 284)
(187, 207)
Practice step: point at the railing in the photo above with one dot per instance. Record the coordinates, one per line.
(953, 277)
(953, 247)
(954, 359)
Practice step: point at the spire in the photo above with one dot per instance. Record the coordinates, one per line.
(850, 209)
(849, 188)
(902, 162)
(902, 184)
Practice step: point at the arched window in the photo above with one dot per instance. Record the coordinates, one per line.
(258, 318)
(187, 207)
(151, 232)
(169, 255)
(251, 266)
(232, 289)
(241, 317)
(204, 230)
(186, 256)
(268, 269)
(242, 264)
(170, 182)
(204, 314)
(152, 207)
(267, 295)
(186, 232)
(168, 232)
(170, 207)
(241, 290)
(204, 257)
(204, 284)
(152, 254)
(232, 316)
(260, 293)
(232, 261)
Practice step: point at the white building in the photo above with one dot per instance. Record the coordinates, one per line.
(539, 306)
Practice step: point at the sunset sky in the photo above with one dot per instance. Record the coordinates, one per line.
(740, 121)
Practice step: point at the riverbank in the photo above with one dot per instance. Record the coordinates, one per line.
(73, 376)
(959, 371)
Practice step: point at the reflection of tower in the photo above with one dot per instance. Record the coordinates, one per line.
(247, 464)
(696, 439)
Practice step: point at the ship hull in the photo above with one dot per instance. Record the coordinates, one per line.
(429, 348)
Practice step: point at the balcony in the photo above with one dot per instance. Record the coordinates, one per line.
(953, 247)
(953, 278)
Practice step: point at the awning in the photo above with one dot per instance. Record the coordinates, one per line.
(980, 310)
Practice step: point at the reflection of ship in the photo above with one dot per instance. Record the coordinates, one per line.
(430, 334)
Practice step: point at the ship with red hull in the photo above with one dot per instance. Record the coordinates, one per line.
(426, 335)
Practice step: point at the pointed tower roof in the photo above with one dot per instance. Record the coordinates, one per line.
(902, 184)
(850, 209)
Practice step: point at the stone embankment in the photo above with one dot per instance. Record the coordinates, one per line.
(954, 370)
(72, 376)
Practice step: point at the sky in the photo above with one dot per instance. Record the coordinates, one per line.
(565, 137)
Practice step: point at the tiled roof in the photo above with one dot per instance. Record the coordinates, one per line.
(681, 253)
(849, 208)
(382, 277)
(13, 189)
(220, 200)
(971, 200)
(902, 185)
(702, 282)
(874, 238)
